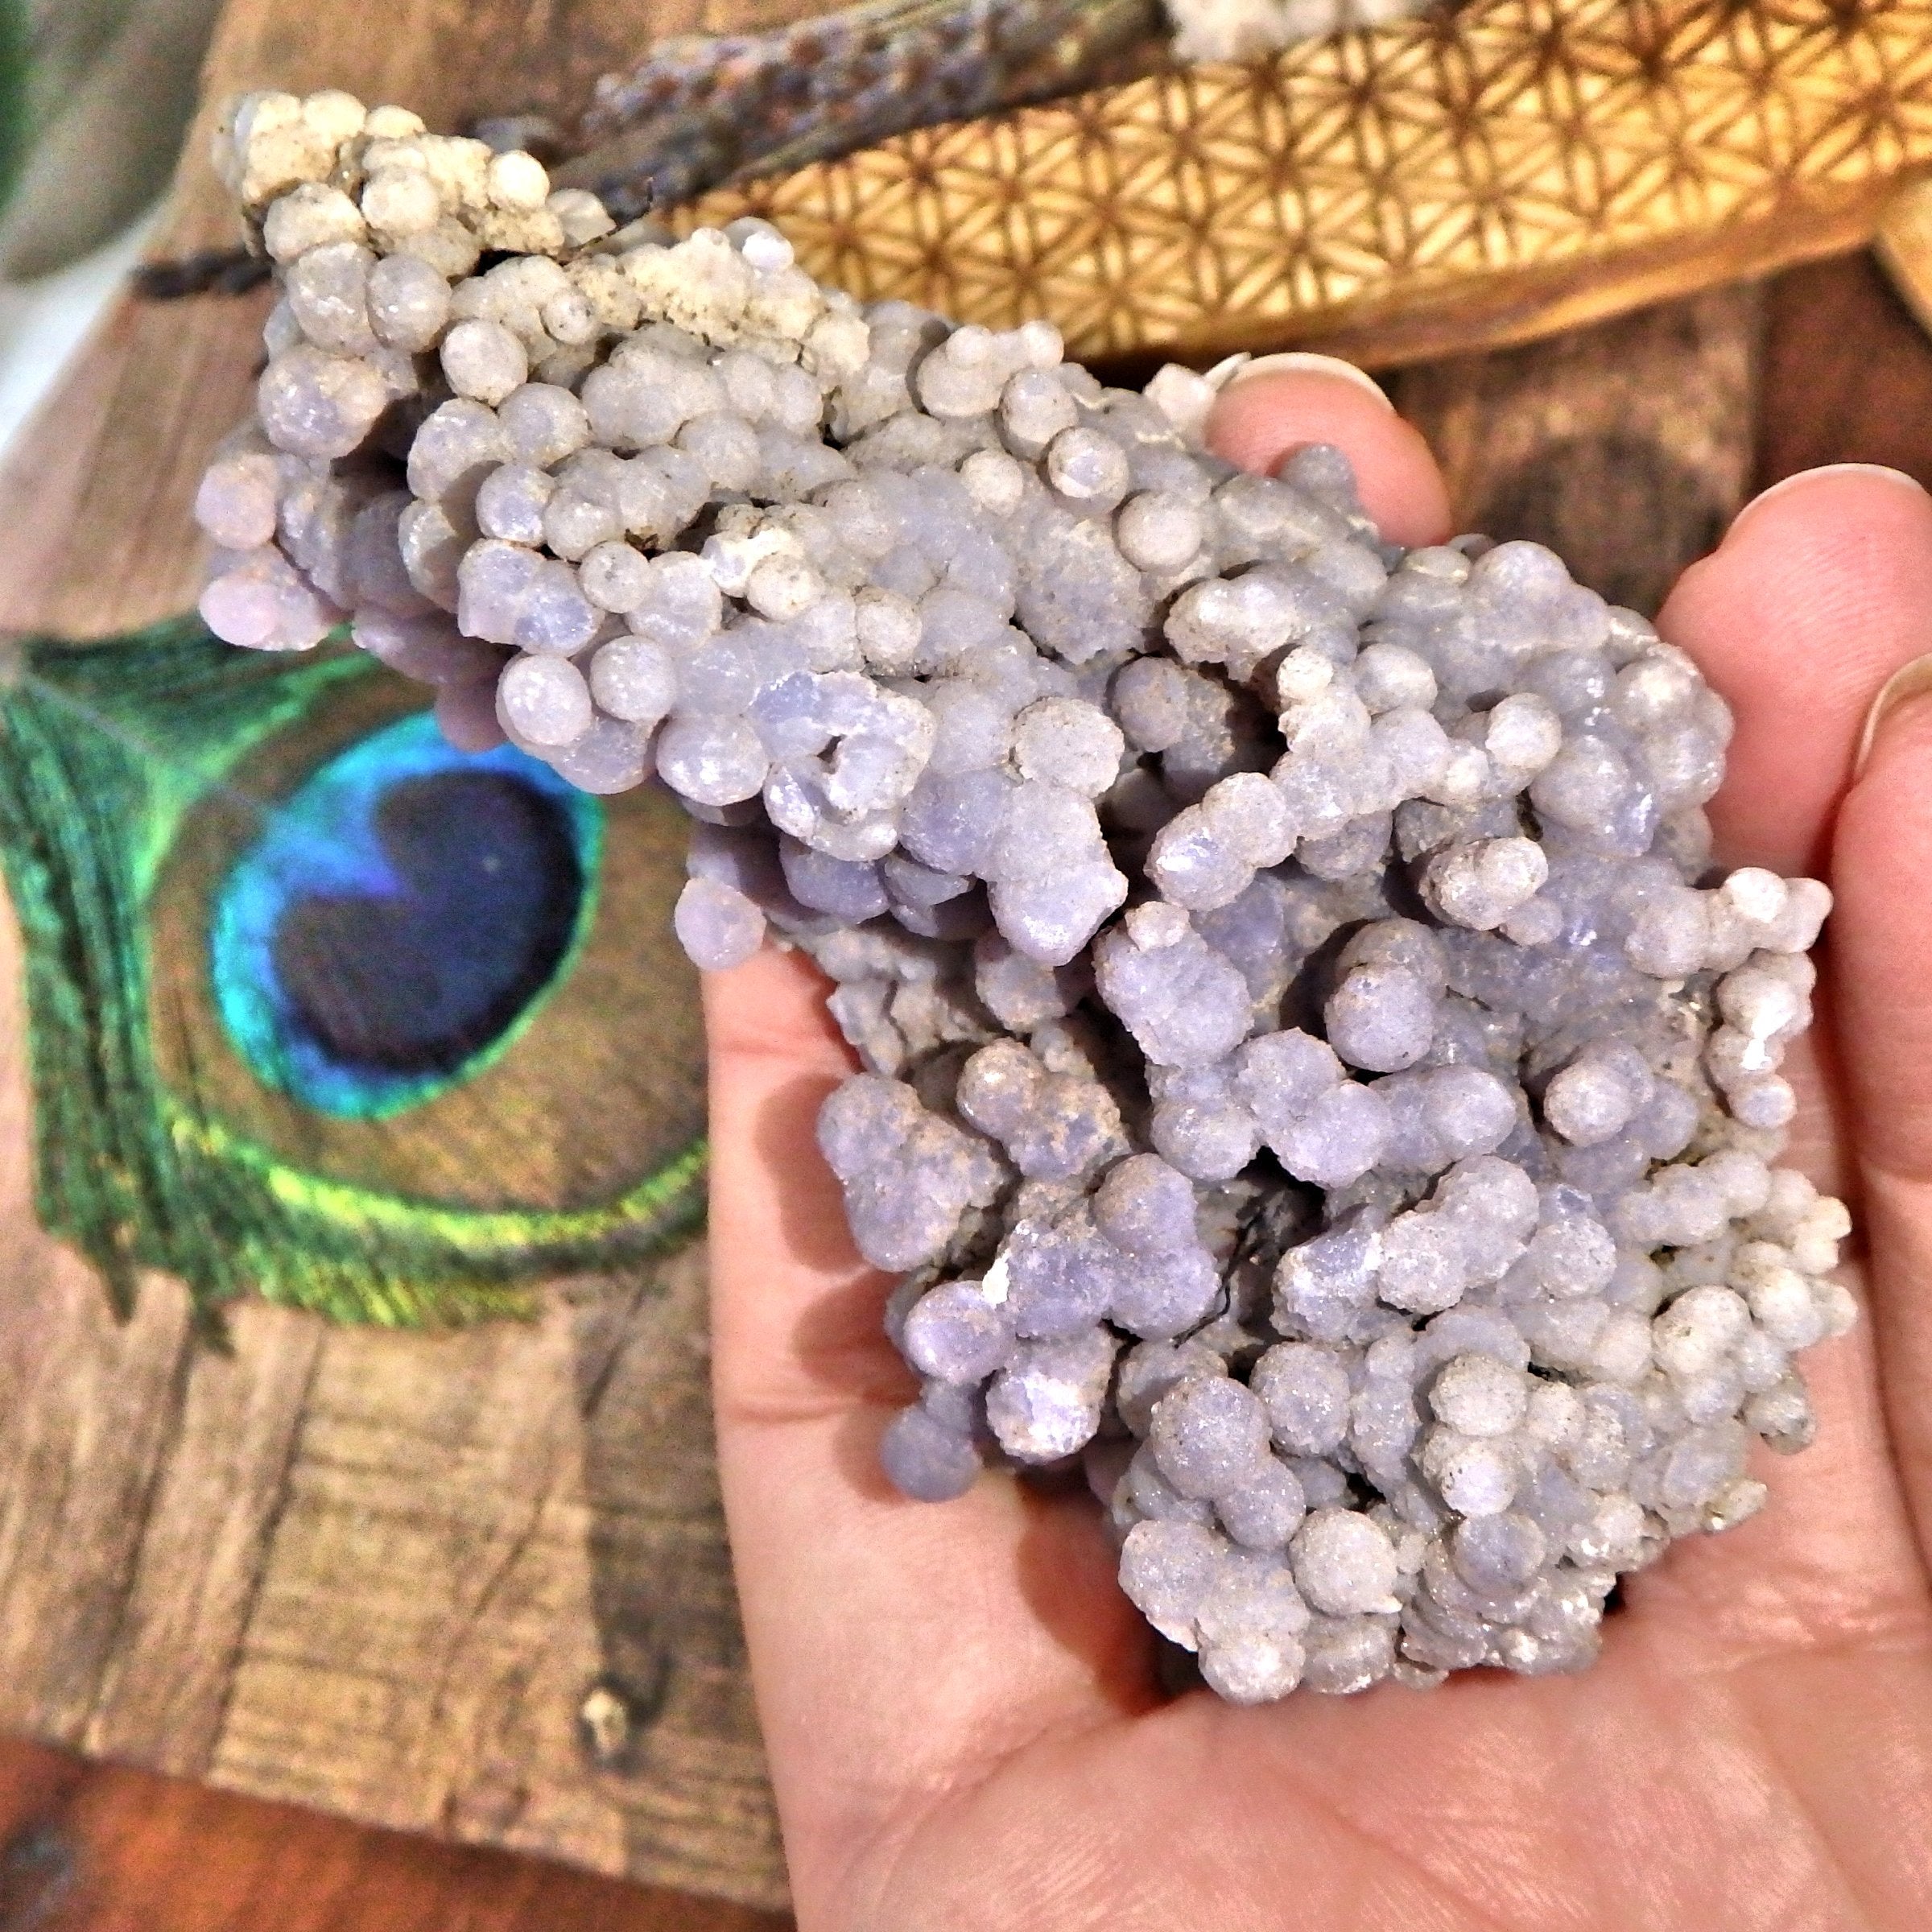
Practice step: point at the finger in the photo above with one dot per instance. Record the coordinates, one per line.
(1260, 418)
(1833, 1557)
(1819, 592)
(1821, 589)
(1881, 942)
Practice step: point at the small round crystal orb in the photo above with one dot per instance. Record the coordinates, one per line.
(545, 700)
(717, 925)
(517, 181)
(485, 360)
(1345, 1563)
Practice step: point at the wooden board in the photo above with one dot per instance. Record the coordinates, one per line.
(99, 1848)
(1625, 447)
(476, 1585)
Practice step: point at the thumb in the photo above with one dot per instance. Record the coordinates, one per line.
(1880, 940)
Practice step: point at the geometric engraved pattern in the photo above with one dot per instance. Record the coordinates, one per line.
(1516, 167)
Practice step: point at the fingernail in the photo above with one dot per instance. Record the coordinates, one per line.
(1912, 680)
(1785, 485)
(1305, 362)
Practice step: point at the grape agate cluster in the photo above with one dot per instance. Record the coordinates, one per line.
(1313, 1080)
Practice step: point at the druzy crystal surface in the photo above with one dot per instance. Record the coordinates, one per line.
(1314, 1080)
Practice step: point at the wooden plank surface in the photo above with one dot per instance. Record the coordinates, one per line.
(1626, 448)
(1848, 374)
(475, 1585)
(98, 1848)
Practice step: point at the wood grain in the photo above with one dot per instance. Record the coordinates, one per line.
(1625, 447)
(477, 1586)
(99, 1848)
(391, 1575)
(96, 490)
(1848, 374)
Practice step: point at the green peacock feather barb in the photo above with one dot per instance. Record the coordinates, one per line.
(139, 777)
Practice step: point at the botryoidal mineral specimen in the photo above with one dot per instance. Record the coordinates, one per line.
(1313, 1075)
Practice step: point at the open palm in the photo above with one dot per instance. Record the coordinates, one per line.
(961, 1708)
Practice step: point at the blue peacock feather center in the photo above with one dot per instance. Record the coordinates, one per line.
(400, 919)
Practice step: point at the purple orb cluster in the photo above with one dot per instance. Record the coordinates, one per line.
(1315, 1083)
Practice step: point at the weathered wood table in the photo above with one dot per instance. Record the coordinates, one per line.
(475, 1585)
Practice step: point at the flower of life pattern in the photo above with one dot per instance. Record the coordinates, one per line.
(1519, 167)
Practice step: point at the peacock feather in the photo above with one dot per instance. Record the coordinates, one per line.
(323, 1007)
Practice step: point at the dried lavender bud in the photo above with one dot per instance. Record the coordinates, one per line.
(1308, 1059)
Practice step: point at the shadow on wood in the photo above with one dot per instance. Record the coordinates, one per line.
(1848, 374)
(1625, 447)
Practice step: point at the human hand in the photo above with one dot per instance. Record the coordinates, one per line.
(960, 1706)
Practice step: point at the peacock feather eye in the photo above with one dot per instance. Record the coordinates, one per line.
(400, 919)
(323, 1007)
